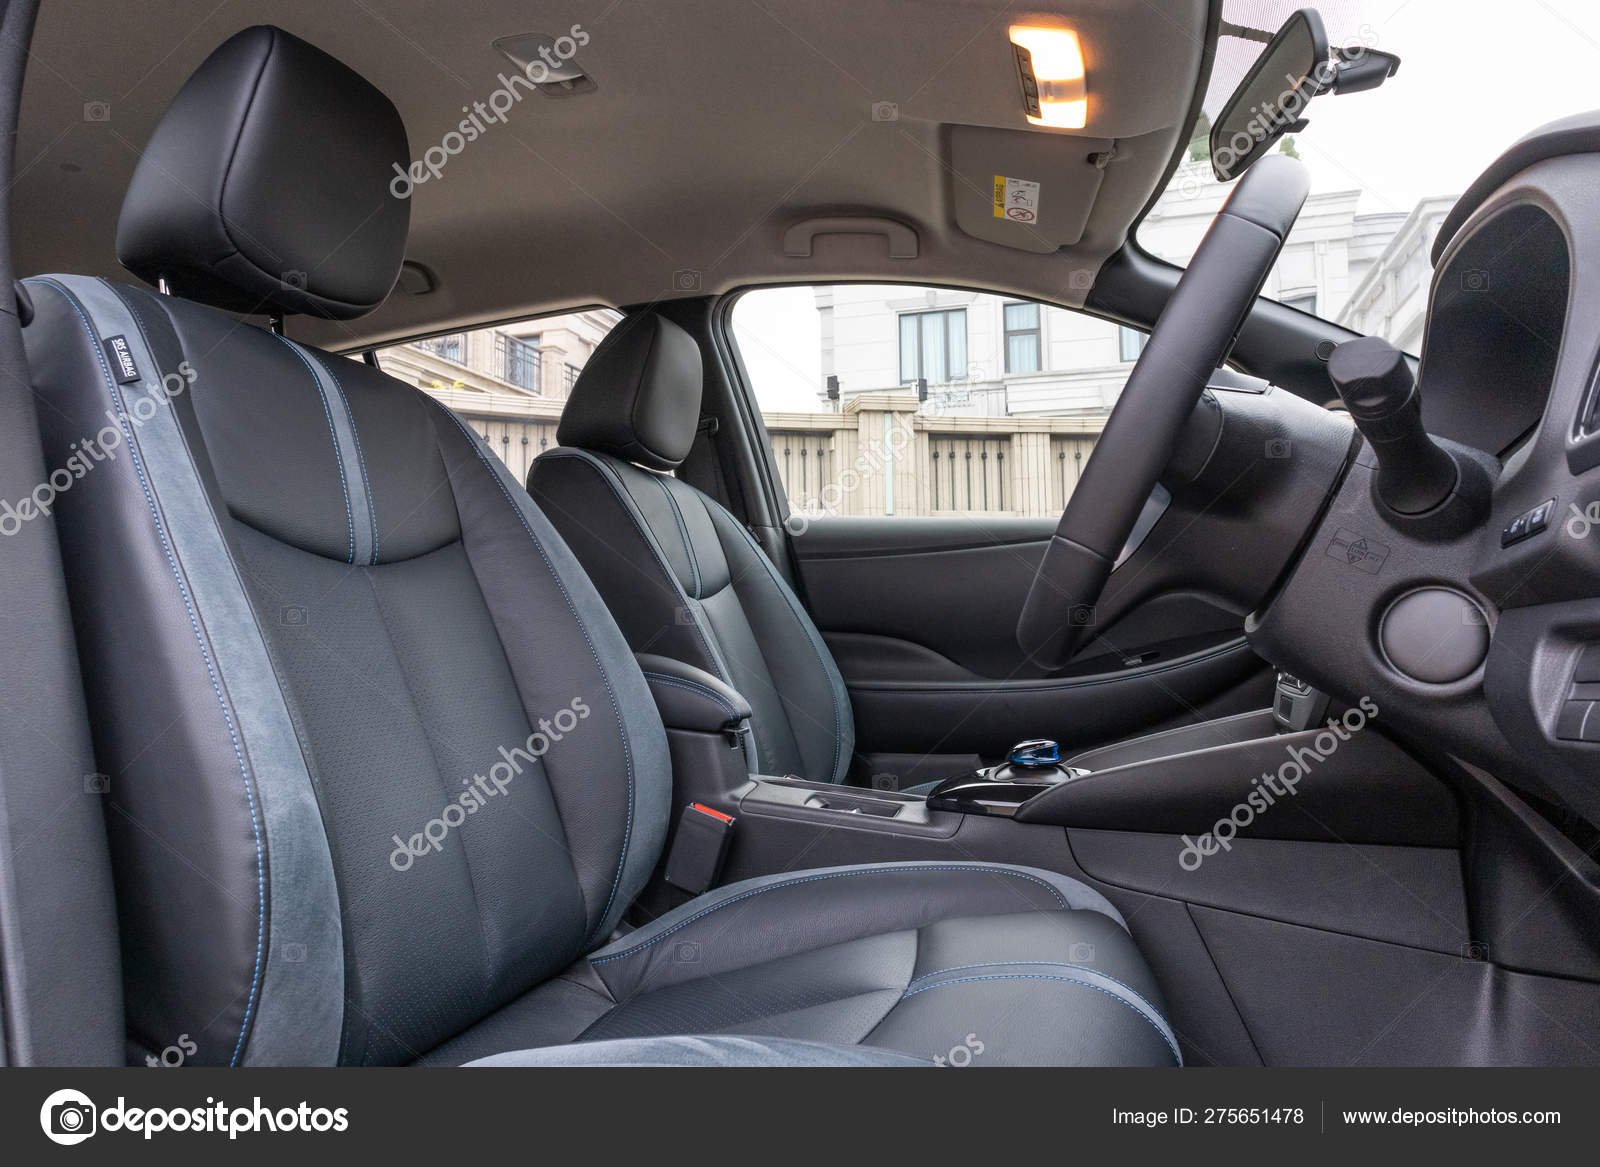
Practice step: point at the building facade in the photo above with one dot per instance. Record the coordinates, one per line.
(509, 383)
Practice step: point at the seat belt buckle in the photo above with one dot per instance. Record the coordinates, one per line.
(699, 848)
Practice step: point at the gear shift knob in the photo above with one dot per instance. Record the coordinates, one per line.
(1035, 753)
(1376, 385)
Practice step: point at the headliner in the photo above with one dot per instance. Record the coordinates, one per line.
(714, 125)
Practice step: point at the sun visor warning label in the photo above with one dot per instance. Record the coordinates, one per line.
(1016, 199)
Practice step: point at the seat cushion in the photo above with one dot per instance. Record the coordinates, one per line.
(939, 961)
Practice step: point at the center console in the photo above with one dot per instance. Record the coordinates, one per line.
(1340, 781)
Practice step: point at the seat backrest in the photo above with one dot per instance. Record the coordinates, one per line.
(682, 575)
(376, 758)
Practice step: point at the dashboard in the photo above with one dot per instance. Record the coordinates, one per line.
(1476, 633)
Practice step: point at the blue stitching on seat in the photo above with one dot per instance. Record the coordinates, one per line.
(1143, 1000)
(205, 655)
(1065, 907)
(693, 687)
(1065, 980)
(627, 749)
(628, 505)
(355, 434)
(338, 456)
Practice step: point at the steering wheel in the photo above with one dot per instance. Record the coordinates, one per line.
(1190, 340)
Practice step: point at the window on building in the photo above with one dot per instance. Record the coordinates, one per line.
(450, 348)
(1130, 343)
(831, 369)
(1022, 338)
(571, 377)
(519, 362)
(493, 379)
(933, 346)
(1305, 301)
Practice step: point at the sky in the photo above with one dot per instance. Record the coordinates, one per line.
(1475, 75)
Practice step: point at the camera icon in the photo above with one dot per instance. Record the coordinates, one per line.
(1081, 279)
(293, 616)
(1475, 950)
(68, 1117)
(294, 952)
(96, 111)
(1081, 616)
(97, 783)
(885, 111)
(686, 279)
(1081, 953)
(885, 782)
(683, 617)
(686, 952)
(1475, 279)
(295, 279)
(1279, 449)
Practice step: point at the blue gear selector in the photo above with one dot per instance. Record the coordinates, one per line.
(1030, 767)
(1040, 752)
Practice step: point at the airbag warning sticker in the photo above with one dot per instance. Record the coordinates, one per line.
(1016, 199)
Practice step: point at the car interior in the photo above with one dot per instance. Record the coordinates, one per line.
(336, 735)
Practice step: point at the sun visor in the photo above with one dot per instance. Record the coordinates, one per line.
(1028, 189)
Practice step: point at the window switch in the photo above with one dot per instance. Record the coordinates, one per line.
(1588, 670)
(1516, 530)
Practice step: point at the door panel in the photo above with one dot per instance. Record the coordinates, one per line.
(921, 613)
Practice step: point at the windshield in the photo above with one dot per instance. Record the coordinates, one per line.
(1387, 165)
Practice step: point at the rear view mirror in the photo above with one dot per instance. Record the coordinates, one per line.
(1270, 101)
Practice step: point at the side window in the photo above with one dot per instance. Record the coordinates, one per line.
(884, 399)
(509, 382)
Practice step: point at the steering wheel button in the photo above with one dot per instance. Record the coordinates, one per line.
(1591, 727)
(1588, 670)
(1574, 719)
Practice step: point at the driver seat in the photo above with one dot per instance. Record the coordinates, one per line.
(683, 577)
(381, 774)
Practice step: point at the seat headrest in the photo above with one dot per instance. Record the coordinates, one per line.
(638, 397)
(265, 187)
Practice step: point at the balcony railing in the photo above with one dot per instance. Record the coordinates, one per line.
(451, 347)
(518, 362)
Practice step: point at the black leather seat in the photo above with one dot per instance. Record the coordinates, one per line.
(384, 773)
(682, 576)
